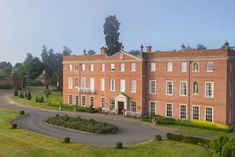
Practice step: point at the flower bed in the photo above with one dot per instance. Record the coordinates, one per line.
(87, 125)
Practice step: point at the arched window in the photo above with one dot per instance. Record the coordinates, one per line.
(76, 67)
(195, 88)
(76, 82)
(195, 67)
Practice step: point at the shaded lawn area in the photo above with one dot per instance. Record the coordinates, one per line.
(23, 143)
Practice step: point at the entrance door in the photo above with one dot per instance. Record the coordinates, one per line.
(120, 107)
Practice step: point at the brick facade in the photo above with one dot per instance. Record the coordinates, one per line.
(213, 101)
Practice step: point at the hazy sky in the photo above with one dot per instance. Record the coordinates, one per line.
(25, 25)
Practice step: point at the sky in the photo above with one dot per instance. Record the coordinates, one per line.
(25, 25)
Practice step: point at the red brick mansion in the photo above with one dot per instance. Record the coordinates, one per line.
(185, 84)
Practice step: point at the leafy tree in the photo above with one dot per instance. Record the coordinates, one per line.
(91, 52)
(111, 32)
(201, 47)
(17, 65)
(66, 51)
(5, 69)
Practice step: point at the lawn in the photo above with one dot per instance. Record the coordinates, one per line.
(22, 143)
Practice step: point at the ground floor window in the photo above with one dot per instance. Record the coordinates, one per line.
(169, 110)
(102, 101)
(112, 104)
(70, 99)
(77, 99)
(183, 112)
(196, 112)
(83, 100)
(209, 114)
(91, 101)
(152, 107)
(133, 106)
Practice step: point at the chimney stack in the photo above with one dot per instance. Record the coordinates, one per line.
(103, 50)
(149, 48)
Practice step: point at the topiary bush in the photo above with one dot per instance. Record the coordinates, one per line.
(119, 145)
(158, 137)
(13, 126)
(16, 93)
(22, 112)
(29, 97)
(66, 140)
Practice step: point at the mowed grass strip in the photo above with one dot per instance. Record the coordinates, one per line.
(23, 143)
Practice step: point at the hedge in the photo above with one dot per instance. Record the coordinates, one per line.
(88, 125)
(6, 86)
(188, 139)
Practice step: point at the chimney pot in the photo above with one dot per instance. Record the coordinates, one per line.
(149, 48)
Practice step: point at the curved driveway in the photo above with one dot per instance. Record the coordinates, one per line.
(131, 131)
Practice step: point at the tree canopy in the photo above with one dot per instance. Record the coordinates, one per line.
(111, 32)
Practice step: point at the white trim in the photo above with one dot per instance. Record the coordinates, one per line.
(76, 96)
(110, 85)
(212, 67)
(172, 88)
(166, 110)
(186, 68)
(180, 88)
(212, 113)
(185, 111)
(150, 106)
(199, 112)
(72, 99)
(101, 101)
(193, 88)
(150, 86)
(211, 91)
(167, 70)
(93, 100)
(152, 64)
(81, 100)
(198, 67)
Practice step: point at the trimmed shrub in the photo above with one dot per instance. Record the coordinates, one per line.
(21, 95)
(158, 137)
(16, 93)
(22, 112)
(66, 140)
(36, 99)
(29, 97)
(13, 126)
(119, 145)
(188, 139)
(35, 83)
(5, 86)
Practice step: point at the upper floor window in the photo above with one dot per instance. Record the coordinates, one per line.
(122, 67)
(92, 67)
(133, 86)
(209, 89)
(70, 83)
(76, 67)
(169, 67)
(153, 67)
(183, 88)
(152, 86)
(209, 66)
(122, 85)
(112, 85)
(76, 82)
(169, 87)
(112, 67)
(133, 106)
(83, 67)
(183, 67)
(195, 88)
(83, 82)
(133, 67)
(70, 67)
(102, 84)
(103, 67)
(195, 67)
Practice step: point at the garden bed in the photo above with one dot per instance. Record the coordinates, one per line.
(87, 125)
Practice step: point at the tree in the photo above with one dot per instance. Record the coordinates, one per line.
(111, 28)
(66, 51)
(91, 52)
(201, 47)
(5, 69)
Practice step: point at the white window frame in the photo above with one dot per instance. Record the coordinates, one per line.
(91, 101)
(70, 102)
(155, 104)
(112, 104)
(83, 82)
(172, 110)
(183, 66)
(122, 85)
(198, 112)
(112, 67)
(70, 83)
(76, 82)
(212, 119)
(112, 85)
(122, 67)
(102, 102)
(133, 86)
(198, 67)
(155, 89)
(91, 67)
(102, 67)
(207, 67)
(83, 67)
(186, 88)
(212, 92)
(70, 67)
(169, 67)
(167, 88)
(153, 67)
(76, 67)
(77, 100)
(133, 106)
(133, 67)
(195, 94)
(83, 96)
(102, 84)
(180, 115)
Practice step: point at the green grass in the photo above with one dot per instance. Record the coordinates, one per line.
(22, 143)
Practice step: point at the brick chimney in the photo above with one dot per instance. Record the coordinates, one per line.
(149, 48)
(103, 50)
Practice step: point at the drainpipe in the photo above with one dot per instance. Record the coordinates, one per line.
(189, 89)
